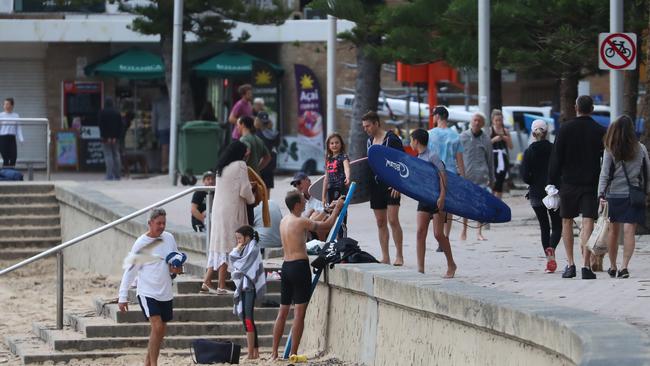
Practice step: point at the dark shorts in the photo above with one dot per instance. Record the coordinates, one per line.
(163, 136)
(423, 207)
(576, 200)
(335, 192)
(152, 307)
(295, 282)
(621, 211)
(380, 197)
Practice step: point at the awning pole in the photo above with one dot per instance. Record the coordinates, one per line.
(177, 51)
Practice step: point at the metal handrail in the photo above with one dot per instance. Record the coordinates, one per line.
(58, 250)
(48, 137)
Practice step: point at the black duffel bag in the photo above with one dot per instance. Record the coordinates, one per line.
(204, 351)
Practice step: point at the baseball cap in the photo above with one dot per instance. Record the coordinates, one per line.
(264, 117)
(208, 173)
(539, 124)
(298, 177)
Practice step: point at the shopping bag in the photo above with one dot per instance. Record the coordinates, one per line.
(597, 242)
(552, 200)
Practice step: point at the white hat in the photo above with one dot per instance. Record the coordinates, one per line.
(539, 124)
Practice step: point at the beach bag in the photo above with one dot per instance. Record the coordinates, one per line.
(10, 174)
(597, 242)
(637, 194)
(203, 351)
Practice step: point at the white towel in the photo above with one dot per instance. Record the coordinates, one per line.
(501, 161)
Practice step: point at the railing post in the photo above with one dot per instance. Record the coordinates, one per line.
(59, 289)
(47, 153)
(206, 222)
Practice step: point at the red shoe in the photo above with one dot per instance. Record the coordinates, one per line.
(551, 264)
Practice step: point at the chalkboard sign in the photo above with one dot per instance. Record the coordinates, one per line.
(91, 154)
(67, 153)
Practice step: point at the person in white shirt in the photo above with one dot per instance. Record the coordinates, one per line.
(9, 131)
(147, 262)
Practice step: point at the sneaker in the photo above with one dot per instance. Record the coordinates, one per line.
(588, 274)
(569, 271)
(611, 272)
(624, 273)
(551, 264)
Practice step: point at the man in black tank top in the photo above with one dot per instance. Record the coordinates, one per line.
(384, 201)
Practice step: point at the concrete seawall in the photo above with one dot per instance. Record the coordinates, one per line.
(83, 209)
(379, 315)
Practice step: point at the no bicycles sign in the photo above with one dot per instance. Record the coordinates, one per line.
(617, 51)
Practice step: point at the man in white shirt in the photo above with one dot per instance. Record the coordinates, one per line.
(9, 130)
(154, 280)
(314, 209)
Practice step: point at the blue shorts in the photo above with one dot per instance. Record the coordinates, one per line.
(152, 307)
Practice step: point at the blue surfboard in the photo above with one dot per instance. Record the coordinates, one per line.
(419, 180)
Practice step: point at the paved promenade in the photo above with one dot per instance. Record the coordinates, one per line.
(510, 260)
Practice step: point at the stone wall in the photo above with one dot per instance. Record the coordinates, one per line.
(378, 315)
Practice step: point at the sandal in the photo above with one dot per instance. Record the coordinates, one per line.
(205, 289)
(611, 272)
(223, 291)
(624, 273)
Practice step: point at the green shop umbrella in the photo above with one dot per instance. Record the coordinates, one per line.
(131, 64)
(230, 64)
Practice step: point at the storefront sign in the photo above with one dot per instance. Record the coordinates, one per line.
(310, 118)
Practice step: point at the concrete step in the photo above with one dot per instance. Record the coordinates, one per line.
(30, 231)
(28, 209)
(216, 314)
(27, 198)
(32, 350)
(190, 285)
(29, 220)
(67, 339)
(197, 270)
(184, 301)
(100, 327)
(13, 188)
(29, 242)
(15, 254)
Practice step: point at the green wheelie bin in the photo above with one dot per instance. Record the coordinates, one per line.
(199, 146)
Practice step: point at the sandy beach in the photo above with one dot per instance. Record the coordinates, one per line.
(29, 295)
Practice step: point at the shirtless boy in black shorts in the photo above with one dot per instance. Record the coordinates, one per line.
(295, 284)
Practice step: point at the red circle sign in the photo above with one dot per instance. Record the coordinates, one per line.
(615, 45)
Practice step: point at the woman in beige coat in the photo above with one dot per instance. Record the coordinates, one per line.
(231, 194)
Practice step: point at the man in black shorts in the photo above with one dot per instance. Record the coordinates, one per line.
(384, 201)
(574, 169)
(425, 212)
(154, 291)
(295, 284)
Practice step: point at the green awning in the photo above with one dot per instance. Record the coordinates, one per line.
(131, 64)
(230, 64)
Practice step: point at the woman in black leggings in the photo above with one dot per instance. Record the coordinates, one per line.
(534, 170)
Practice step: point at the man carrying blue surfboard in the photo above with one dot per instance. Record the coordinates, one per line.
(446, 142)
(419, 140)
